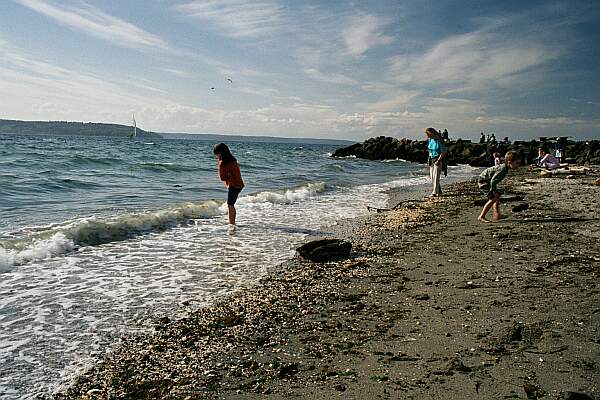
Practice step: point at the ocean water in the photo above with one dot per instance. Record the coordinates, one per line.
(99, 237)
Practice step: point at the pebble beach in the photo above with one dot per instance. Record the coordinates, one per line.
(431, 304)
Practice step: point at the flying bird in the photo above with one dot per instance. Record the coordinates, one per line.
(229, 80)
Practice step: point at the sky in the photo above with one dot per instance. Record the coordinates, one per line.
(321, 69)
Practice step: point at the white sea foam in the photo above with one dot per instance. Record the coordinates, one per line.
(288, 196)
(38, 249)
(57, 239)
(350, 157)
(396, 160)
(403, 182)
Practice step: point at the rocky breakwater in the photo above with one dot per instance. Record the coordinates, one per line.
(465, 152)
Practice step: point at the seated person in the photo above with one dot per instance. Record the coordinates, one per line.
(547, 160)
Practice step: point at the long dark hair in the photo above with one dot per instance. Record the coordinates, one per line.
(434, 133)
(223, 150)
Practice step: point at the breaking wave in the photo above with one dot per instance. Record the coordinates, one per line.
(59, 239)
(44, 242)
(289, 196)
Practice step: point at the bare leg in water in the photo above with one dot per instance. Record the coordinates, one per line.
(231, 214)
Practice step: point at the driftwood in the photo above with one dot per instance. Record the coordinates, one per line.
(564, 172)
(408, 203)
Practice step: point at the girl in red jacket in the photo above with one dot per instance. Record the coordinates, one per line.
(229, 172)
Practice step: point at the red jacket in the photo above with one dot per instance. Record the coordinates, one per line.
(231, 175)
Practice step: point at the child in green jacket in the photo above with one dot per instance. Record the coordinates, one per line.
(488, 182)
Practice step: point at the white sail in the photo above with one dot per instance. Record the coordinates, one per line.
(134, 134)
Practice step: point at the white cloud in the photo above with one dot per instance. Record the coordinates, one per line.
(96, 23)
(37, 89)
(327, 44)
(236, 18)
(50, 92)
(329, 77)
(452, 108)
(298, 120)
(399, 100)
(537, 122)
(399, 97)
(177, 72)
(364, 32)
(474, 61)
(314, 120)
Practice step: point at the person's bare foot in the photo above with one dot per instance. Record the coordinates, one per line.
(484, 220)
(498, 217)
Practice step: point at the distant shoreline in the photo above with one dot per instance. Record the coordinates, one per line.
(97, 129)
(65, 128)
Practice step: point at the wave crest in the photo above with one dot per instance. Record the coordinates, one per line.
(60, 239)
(287, 197)
(44, 242)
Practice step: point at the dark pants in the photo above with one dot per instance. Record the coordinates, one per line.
(232, 195)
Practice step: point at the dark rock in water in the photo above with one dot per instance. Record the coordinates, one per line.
(325, 250)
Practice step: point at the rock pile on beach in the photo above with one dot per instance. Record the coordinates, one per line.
(431, 304)
(464, 151)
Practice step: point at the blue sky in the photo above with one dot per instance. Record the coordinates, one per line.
(324, 69)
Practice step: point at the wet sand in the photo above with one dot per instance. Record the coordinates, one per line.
(432, 305)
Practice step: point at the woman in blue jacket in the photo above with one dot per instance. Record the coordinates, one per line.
(437, 152)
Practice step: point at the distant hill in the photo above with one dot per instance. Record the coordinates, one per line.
(64, 128)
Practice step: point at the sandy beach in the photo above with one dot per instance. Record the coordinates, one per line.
(432, 305)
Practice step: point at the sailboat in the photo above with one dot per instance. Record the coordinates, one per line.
(134, 133)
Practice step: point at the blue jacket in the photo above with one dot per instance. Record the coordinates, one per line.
(435, 147)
